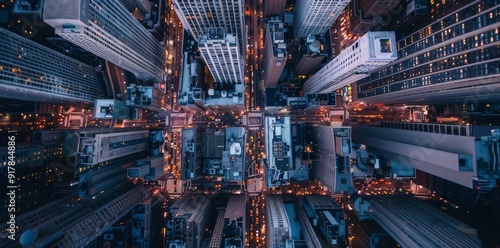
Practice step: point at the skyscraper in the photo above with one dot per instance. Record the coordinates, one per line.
(454, 58)
(71, 222)
(199, 16)
(312, 51)
(414, 223)
(316, 17)
(37, 177)
(221, 54)
(333, 147)
(234, 222)
(278, 225)
(108, 30)
(28, 69)
(275, 52)
(369, 14)
(370, 52)
(446, 151)
(143, 5)
(100, 147)
(190, 214)
(274, 8)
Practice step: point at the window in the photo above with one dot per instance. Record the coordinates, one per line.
(385, 46)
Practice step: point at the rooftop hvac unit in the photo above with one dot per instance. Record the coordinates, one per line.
(314, 46)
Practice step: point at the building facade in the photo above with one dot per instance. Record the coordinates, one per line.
(446, 151)
(312, 51)
(369, 14)
(220, 52)
(98, 26)
(234, 222)
(274, 8)
(275, 52)
(190, 214)
(278, 228)
(28, 69)
(98, 148)
(143, 5)
(333, 147)
(454, 58)
(370, 52)
(68, 222)
(316, 17)
(413, 223)
(198, 16)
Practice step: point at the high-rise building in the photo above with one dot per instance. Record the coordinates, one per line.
(312, 51)
(275, 52)
(369, 53)
(95, 181)
(147, 97)
(143, 5)
(274, 8)
(278, 228)
(220, 51)
(28, 69)
(234, 222)
(368, 14)
(414, 223)
(316, 17)
(39, 167)
(190, 214)
(199, 16)
(216, 240)
(71, 222)
(108, 30)
(447, 151)
(451, 59)
(151, 168)
(96, 148)
(141, 224)
(330, 217)
(333, 147)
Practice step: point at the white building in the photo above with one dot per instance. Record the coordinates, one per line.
(28, 69)
(370, 52)
(108, 30)
(198, 16)
(278, 228)
(313, 17)
(275, 52)
(221, 54)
